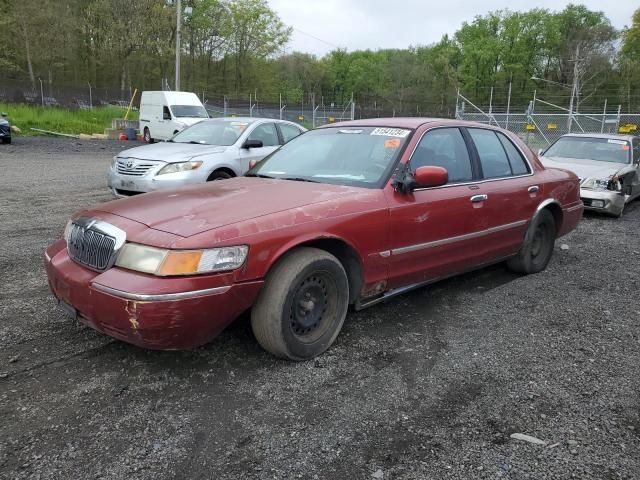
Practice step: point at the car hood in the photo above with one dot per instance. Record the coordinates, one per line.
(197, 208)
(584, 168)
(171, 152)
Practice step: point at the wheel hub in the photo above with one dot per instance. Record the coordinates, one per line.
(309, 305)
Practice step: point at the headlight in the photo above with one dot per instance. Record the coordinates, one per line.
(67, 231)
(179, 167)
(595, 184)
(162, 262)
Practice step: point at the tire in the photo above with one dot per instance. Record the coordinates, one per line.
(6, 140)
(219, 175)
(147, 136)
(302, 305)
(535, 254)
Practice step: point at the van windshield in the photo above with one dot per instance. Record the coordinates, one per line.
(193, 111)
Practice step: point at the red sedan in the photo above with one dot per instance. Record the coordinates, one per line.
(349, 214)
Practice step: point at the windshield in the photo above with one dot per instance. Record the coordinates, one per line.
(194, 111)
(590, 148)
(216, 132)
(359, 156)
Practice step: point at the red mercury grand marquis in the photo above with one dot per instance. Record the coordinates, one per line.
(349, 214)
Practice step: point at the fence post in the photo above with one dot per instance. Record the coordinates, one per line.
(506, 124)
(353, 108)
(224, 102)
(90, 97)
(604, 116)
(41, 92)
(618, 118)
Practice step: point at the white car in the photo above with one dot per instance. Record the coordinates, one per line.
(214, 149)
(608, 167)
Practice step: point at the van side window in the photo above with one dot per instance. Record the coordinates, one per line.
(444, 147)
(166, 114)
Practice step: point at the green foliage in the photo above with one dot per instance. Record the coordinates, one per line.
(62, 120)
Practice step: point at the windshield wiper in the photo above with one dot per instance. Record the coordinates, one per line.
(299, 179)
(258, 175)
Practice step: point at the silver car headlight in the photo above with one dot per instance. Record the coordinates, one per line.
(179, 167)
(164, 262)
(601, 184)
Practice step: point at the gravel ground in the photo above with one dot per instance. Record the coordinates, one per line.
(429, 385)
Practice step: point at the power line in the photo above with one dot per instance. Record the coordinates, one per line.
(316, 38)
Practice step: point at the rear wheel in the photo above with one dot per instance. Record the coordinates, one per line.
(147, 135)
(535, 254)
(302, 305)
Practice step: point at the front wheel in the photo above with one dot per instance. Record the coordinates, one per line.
(535, 254)
(302, 306)
(147, 135)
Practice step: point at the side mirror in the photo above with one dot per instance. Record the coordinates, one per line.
(252, 163)
(3, 114)
(166, 116)
(252, 144)
(430, 176)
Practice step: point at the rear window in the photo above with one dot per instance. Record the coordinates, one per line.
(590, 148)
(517, 161)
(493, 156)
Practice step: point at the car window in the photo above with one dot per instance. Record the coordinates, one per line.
(636, 151)
(517, 161)
(602, 149)
(493, 157)
(266, 133)
(166, 114)
(444, 147)
(289, 132)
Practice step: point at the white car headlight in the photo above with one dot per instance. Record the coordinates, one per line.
(595, 184)
(164, 263)
(179, 167)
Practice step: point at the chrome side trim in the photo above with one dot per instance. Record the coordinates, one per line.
(459, 238)
(574, 208)
(163, 297)
(385, 254)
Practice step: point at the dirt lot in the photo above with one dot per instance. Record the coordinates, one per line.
(429, 385)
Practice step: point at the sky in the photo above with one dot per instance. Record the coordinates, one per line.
(323, 25)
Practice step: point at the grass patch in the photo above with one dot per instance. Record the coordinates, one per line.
(62, 120)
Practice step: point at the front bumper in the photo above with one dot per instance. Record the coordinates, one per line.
(604, 201)
(127, 185)
(151, 312)
(5, 131)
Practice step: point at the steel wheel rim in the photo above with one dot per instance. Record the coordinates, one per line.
(312, 306)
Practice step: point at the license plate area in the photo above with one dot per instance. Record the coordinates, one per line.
(129, 185)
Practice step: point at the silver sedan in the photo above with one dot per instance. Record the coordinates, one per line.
(214, 149)
(608, 167)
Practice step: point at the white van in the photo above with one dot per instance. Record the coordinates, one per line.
(163, 114)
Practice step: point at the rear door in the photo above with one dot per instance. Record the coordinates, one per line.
(437, 232)
(512, 193)
(268, 135)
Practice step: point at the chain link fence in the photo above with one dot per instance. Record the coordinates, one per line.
(542, 123)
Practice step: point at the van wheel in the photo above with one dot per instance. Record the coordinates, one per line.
(147, 135)
(219, 175)
(535, 254)
(302, 305)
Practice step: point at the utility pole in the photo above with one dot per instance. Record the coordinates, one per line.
(574, 89)
(178, 41)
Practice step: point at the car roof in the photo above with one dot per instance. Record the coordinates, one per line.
(407, 122)
(610, 136)
(246, 119)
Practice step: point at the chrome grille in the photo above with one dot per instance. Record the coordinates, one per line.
(94, 243)
(133, 167)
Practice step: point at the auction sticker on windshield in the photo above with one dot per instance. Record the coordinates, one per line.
(391, 132)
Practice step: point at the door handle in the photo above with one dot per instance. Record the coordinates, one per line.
(533, 189)
(479, 198)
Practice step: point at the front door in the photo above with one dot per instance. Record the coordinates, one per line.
(268, 135)
(437, 232)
